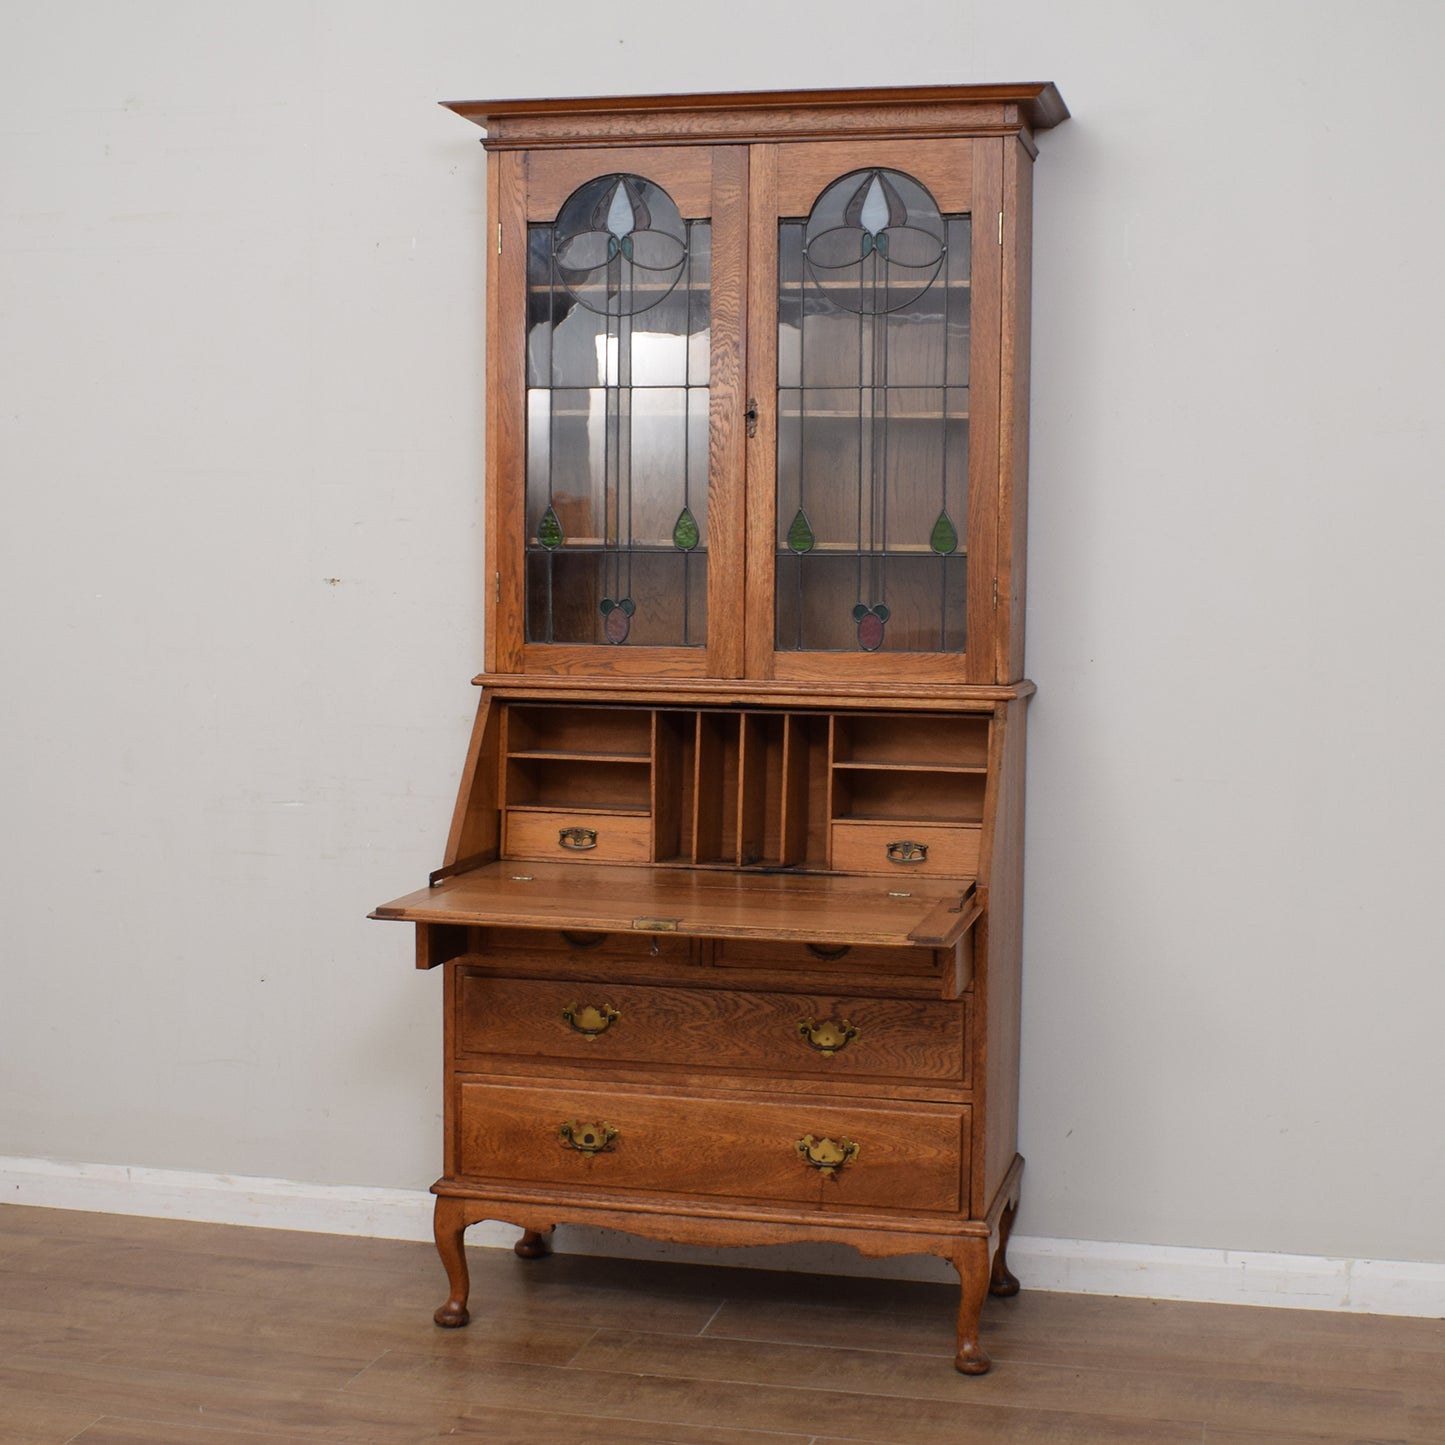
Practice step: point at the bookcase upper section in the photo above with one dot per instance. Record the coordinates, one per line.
(757, 384)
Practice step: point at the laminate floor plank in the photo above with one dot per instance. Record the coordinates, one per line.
(1273, 1437)
(1293, 1346)
(37, 1417)
(989, 1425)
(111, 1430)
(1154, 1394)
(117, 1330)
(686, 1403)
(550, 1427)
(173, 1401)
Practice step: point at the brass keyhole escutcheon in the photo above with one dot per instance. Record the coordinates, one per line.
(589, 1021)
(827, 1037)
(587, 1138)
(827, 1156)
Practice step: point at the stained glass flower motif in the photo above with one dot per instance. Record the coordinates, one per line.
(617, 617)
(871, 621)
(619, 244)
(549, 530)
(874, 241)
(800, 534)
(685, 534)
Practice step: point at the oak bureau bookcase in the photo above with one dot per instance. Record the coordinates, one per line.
(730, 909)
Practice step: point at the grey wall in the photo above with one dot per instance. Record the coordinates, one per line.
(241, 256)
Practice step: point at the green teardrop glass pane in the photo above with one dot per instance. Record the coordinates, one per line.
(800, 534)
(685, 535)
(549, 530)
(944, 537)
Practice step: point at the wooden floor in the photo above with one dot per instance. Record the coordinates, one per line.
(120, 1331)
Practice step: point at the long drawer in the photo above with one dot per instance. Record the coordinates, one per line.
(818, 1036)
(797, 1151)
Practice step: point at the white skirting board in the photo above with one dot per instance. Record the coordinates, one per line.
(1294, 1281)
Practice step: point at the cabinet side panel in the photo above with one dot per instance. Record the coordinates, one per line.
(999, 978)
(475, 831)
(1014, 409)
(989, 309)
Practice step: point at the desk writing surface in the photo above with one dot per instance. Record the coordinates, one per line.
(697, 902)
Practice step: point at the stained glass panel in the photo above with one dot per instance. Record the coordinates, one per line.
(617, 419)
(872, 437)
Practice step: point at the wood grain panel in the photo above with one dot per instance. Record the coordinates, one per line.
(910, 1157)
(944, 166)
(683, 172)
(801, 908)
(712, 1028)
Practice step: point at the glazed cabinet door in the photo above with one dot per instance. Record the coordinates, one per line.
(874, 349)
(614, 379)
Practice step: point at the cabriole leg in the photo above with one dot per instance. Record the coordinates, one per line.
(450, 1224)
(1003, 1282)
(534, 1243)
(970, 1259)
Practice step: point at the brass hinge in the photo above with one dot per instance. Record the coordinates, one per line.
(995, 594)
(499, 586)
(499, 238)
(1000, 231)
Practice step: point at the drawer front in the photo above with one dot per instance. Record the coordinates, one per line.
(908, 1157)
(579, 837)
(814, 1036)
(905, 850)
(858, 961)
(582, 950)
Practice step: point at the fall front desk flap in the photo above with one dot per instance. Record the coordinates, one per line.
(811, 908)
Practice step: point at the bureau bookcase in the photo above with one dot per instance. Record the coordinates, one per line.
(729, 913)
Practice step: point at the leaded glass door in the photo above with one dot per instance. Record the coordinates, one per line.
(874, 355)
(619, 532)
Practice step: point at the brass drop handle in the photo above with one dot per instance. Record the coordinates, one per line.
(578, 840)
(905, 851)
(587, 1138)
(589, 1021)
(827, 1156)
(827, 1037)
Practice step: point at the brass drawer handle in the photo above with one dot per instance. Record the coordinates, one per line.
(907, 852)
(587, 1138)
(824, 1155)
(819, 951)
(579, 840)
(827, 1037)
(589, 1021)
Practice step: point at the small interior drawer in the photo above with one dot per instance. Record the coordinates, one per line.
(905, 850)
(578, 837)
